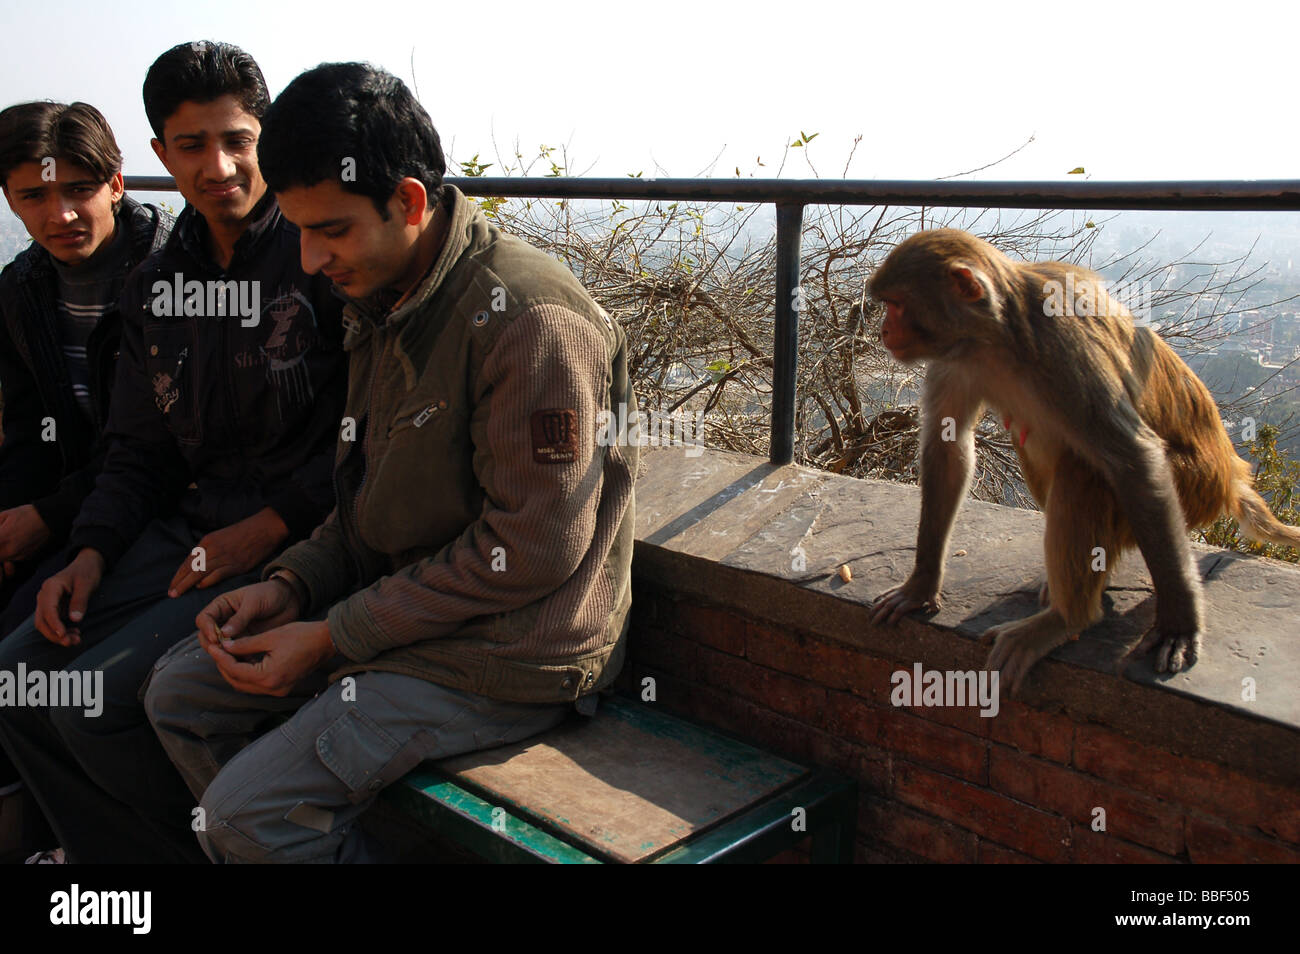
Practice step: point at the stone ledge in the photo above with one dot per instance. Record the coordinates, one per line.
(721, 527)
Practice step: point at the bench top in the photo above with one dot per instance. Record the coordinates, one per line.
(626, 785)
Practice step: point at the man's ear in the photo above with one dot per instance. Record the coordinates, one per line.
(413, 198)
(160, 151)
(116, 187)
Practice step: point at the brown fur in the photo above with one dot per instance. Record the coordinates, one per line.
(1123, 444)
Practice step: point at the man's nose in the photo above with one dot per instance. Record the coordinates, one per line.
(314, 254)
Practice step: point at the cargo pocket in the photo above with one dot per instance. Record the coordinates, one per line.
(363, 756)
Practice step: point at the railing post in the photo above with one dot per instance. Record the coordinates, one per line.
(785, 339)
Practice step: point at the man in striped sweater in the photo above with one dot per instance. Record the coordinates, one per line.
(473, 582)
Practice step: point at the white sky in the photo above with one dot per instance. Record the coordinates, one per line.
(1127, 90)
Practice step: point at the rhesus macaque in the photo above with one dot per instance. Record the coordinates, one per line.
(1120, 443)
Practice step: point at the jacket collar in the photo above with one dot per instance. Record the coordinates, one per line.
(360, 315)
(192, 232)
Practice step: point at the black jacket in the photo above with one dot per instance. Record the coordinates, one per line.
(57, 475)
(214, 417)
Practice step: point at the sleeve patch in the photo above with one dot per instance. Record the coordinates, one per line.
(555, 436)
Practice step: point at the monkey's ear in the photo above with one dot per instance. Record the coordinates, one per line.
(966, 283)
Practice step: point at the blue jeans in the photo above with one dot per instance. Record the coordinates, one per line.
(101, 779)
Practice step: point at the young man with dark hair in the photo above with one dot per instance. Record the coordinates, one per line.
(473, 581)
(225, 409)
(61, 173)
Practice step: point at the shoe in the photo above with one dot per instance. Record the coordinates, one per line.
(52, 857)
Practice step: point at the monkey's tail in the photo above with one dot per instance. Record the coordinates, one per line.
(1257, 521)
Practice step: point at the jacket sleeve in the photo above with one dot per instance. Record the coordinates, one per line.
(540, 510)
(25, 460)
(306, 496)
(143, 472)
(60, 508)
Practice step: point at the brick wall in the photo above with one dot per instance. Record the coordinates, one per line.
(945, 784)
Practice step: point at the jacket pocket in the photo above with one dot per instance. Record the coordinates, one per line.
(171, 360)
(417, 418)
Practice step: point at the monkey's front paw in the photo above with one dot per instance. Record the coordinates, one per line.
(1174, 652)
(1017, 648)
(891, 606)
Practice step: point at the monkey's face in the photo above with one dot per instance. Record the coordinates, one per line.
(900, 333)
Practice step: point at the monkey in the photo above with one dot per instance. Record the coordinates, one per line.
(1120, 444)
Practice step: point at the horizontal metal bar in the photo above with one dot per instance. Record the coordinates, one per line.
(1240, 194)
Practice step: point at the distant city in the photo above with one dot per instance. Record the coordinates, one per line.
(1253, 351)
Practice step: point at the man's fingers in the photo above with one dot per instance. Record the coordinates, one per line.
(184, 579)
(247, 645)
(82, 589)
(238, 674)
(216, 575)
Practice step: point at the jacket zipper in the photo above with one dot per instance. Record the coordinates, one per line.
(418, 419)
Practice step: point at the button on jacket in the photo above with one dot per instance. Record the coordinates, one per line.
(482, 537)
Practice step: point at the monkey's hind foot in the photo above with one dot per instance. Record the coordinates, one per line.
(1174, 652)
(1018, 646)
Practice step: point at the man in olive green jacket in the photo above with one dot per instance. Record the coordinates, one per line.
(473, 581)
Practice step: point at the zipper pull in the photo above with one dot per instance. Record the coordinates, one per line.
(420, 419)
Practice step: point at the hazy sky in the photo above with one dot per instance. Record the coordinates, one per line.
(1127, 90)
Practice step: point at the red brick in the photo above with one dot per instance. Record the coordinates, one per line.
(952, 751)
(966, 717)
(1211, 843)
(993, 854)
(1104, 848)
(803, 700)
(931, 838)
(852, 718)
(661, 650)
(712, 627)
(1055, 788)
(986, 813)
(1216, 790)
(831, 664)
(1045, 734)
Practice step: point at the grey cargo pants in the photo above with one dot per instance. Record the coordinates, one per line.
(283, 779)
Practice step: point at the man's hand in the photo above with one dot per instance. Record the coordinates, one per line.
(289, 654)
(72, 586)
(22, 534)
(248, 610)
(231, 551)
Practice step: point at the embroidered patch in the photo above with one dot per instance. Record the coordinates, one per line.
(164, 395)
(555, 436)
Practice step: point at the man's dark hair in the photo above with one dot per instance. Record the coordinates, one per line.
(79, 133)
(200, 72)
(354, 123)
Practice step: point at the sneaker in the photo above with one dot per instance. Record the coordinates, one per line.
(52, 857)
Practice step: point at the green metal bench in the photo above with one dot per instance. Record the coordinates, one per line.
(631, 785)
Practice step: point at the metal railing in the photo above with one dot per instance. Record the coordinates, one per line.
(791, 195)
